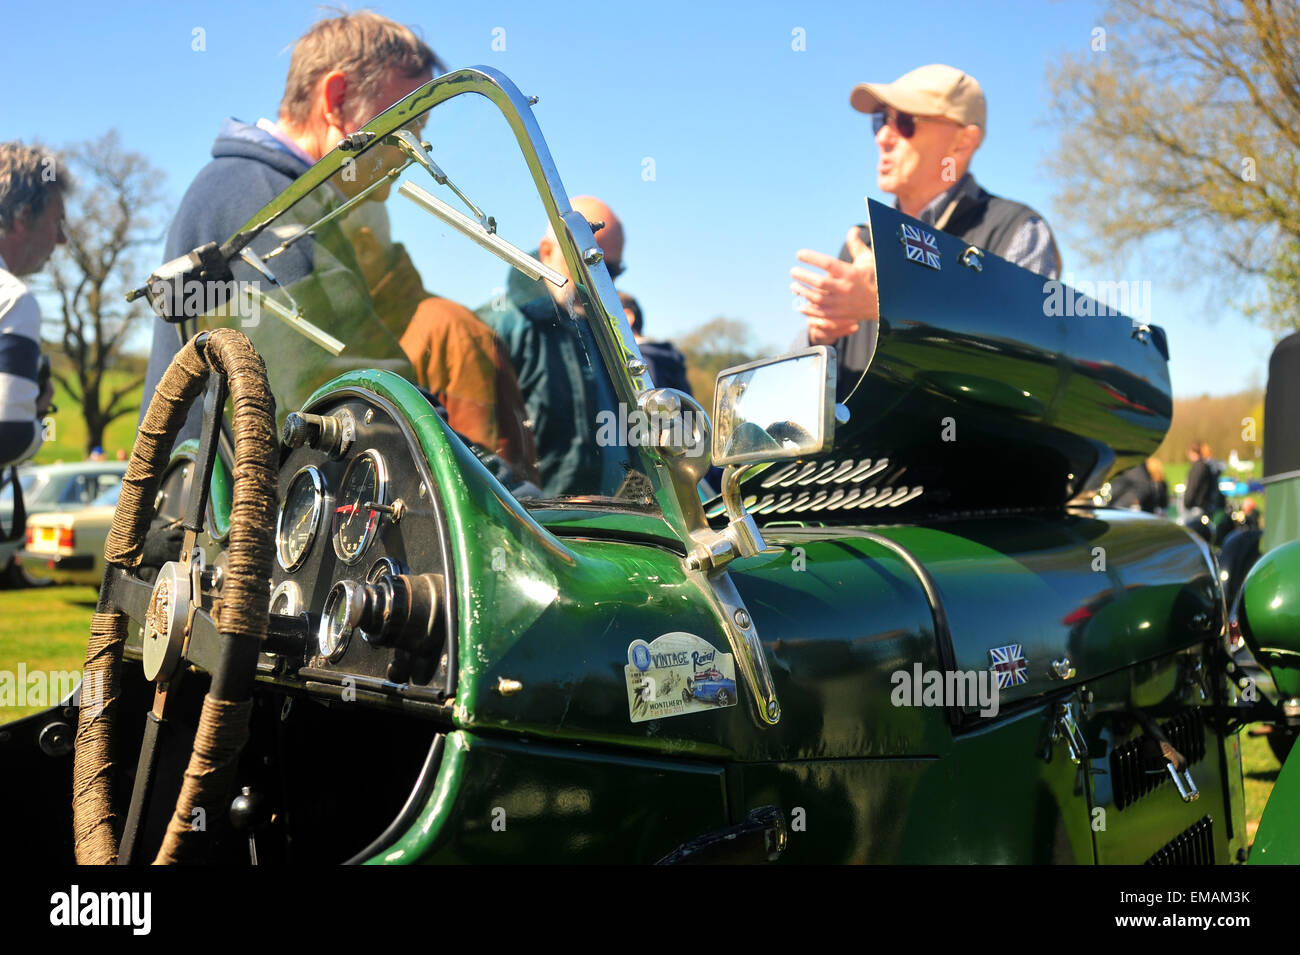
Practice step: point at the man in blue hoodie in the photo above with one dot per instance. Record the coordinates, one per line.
(343, 72)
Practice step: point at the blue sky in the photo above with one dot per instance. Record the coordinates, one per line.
(756, 150)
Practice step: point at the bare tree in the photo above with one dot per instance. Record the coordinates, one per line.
(1182, 122)
(115, 210)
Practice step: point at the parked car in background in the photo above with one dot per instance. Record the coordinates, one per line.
(67, 547)
(52, 487)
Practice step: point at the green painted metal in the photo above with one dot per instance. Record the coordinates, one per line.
(590, 522)
(1270, 615)
(1277, 841)
(219, 490)
(561, 614)
(1161, 688)
(501, 801)
(1105, 591)
(1011, 375)
(841, 615)
(992, 799)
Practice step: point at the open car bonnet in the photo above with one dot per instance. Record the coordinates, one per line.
(990, 387)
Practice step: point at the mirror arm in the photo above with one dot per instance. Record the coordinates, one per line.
(742, 530)
(741, 537)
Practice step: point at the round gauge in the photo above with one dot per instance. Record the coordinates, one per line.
(286, 599)
(356, 514)
(342, 610)
(383, 567)
(299, 518)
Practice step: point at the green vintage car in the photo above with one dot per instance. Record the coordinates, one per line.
(895, 636)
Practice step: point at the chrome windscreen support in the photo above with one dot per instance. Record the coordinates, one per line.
(294, 319)
(747, 648)
(476, 232)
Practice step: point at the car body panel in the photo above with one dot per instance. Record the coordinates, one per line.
(498, 800)
(1277, 841)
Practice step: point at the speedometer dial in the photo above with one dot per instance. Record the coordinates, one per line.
(357, 510)
(300, 518)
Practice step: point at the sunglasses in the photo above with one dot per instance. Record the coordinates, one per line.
(615, 268)
(903, 123)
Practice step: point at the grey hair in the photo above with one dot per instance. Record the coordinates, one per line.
(365, 45)
(29, 177)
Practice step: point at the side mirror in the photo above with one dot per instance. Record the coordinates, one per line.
(763, 411)
(775, 408)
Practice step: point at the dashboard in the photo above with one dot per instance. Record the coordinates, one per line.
(360, 577)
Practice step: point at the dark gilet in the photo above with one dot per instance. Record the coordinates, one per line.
(983, 220)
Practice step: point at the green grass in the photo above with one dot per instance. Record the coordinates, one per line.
(45, 628)
(1260, 768)
(69, 441)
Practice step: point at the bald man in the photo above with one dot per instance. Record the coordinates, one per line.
(555, 360)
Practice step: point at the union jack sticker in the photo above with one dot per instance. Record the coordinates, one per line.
(1010, 665)
(920, 246)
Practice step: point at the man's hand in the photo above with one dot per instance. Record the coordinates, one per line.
(840, 300)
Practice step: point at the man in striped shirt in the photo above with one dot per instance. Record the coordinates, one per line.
(32, 183)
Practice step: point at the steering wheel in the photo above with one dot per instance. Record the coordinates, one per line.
(223, 641)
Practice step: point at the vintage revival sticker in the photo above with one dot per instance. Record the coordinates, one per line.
(676, 674)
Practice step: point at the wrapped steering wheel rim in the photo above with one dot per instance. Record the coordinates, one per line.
(166, 610)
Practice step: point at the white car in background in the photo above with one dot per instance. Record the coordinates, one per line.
(51, 487)
(67, 547)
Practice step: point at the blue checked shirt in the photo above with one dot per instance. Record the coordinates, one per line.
(1031, 247)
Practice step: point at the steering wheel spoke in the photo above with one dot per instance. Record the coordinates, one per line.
(129, 594)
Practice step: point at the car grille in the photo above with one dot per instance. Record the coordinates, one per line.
(1136, 770)
(1193, 846)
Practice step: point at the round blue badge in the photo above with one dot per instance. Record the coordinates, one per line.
(641, 656)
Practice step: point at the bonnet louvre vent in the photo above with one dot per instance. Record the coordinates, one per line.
(825, 486)
(1193, 846)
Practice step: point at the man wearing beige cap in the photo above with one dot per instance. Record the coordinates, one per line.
(928, 123)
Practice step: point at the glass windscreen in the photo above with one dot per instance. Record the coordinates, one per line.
(387, 262)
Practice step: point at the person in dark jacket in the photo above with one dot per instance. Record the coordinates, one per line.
(1202, 489)
(343, 71)
(928, 124)
(1250, 514)
(564, 384)
(1141, 488)
(666, 363)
